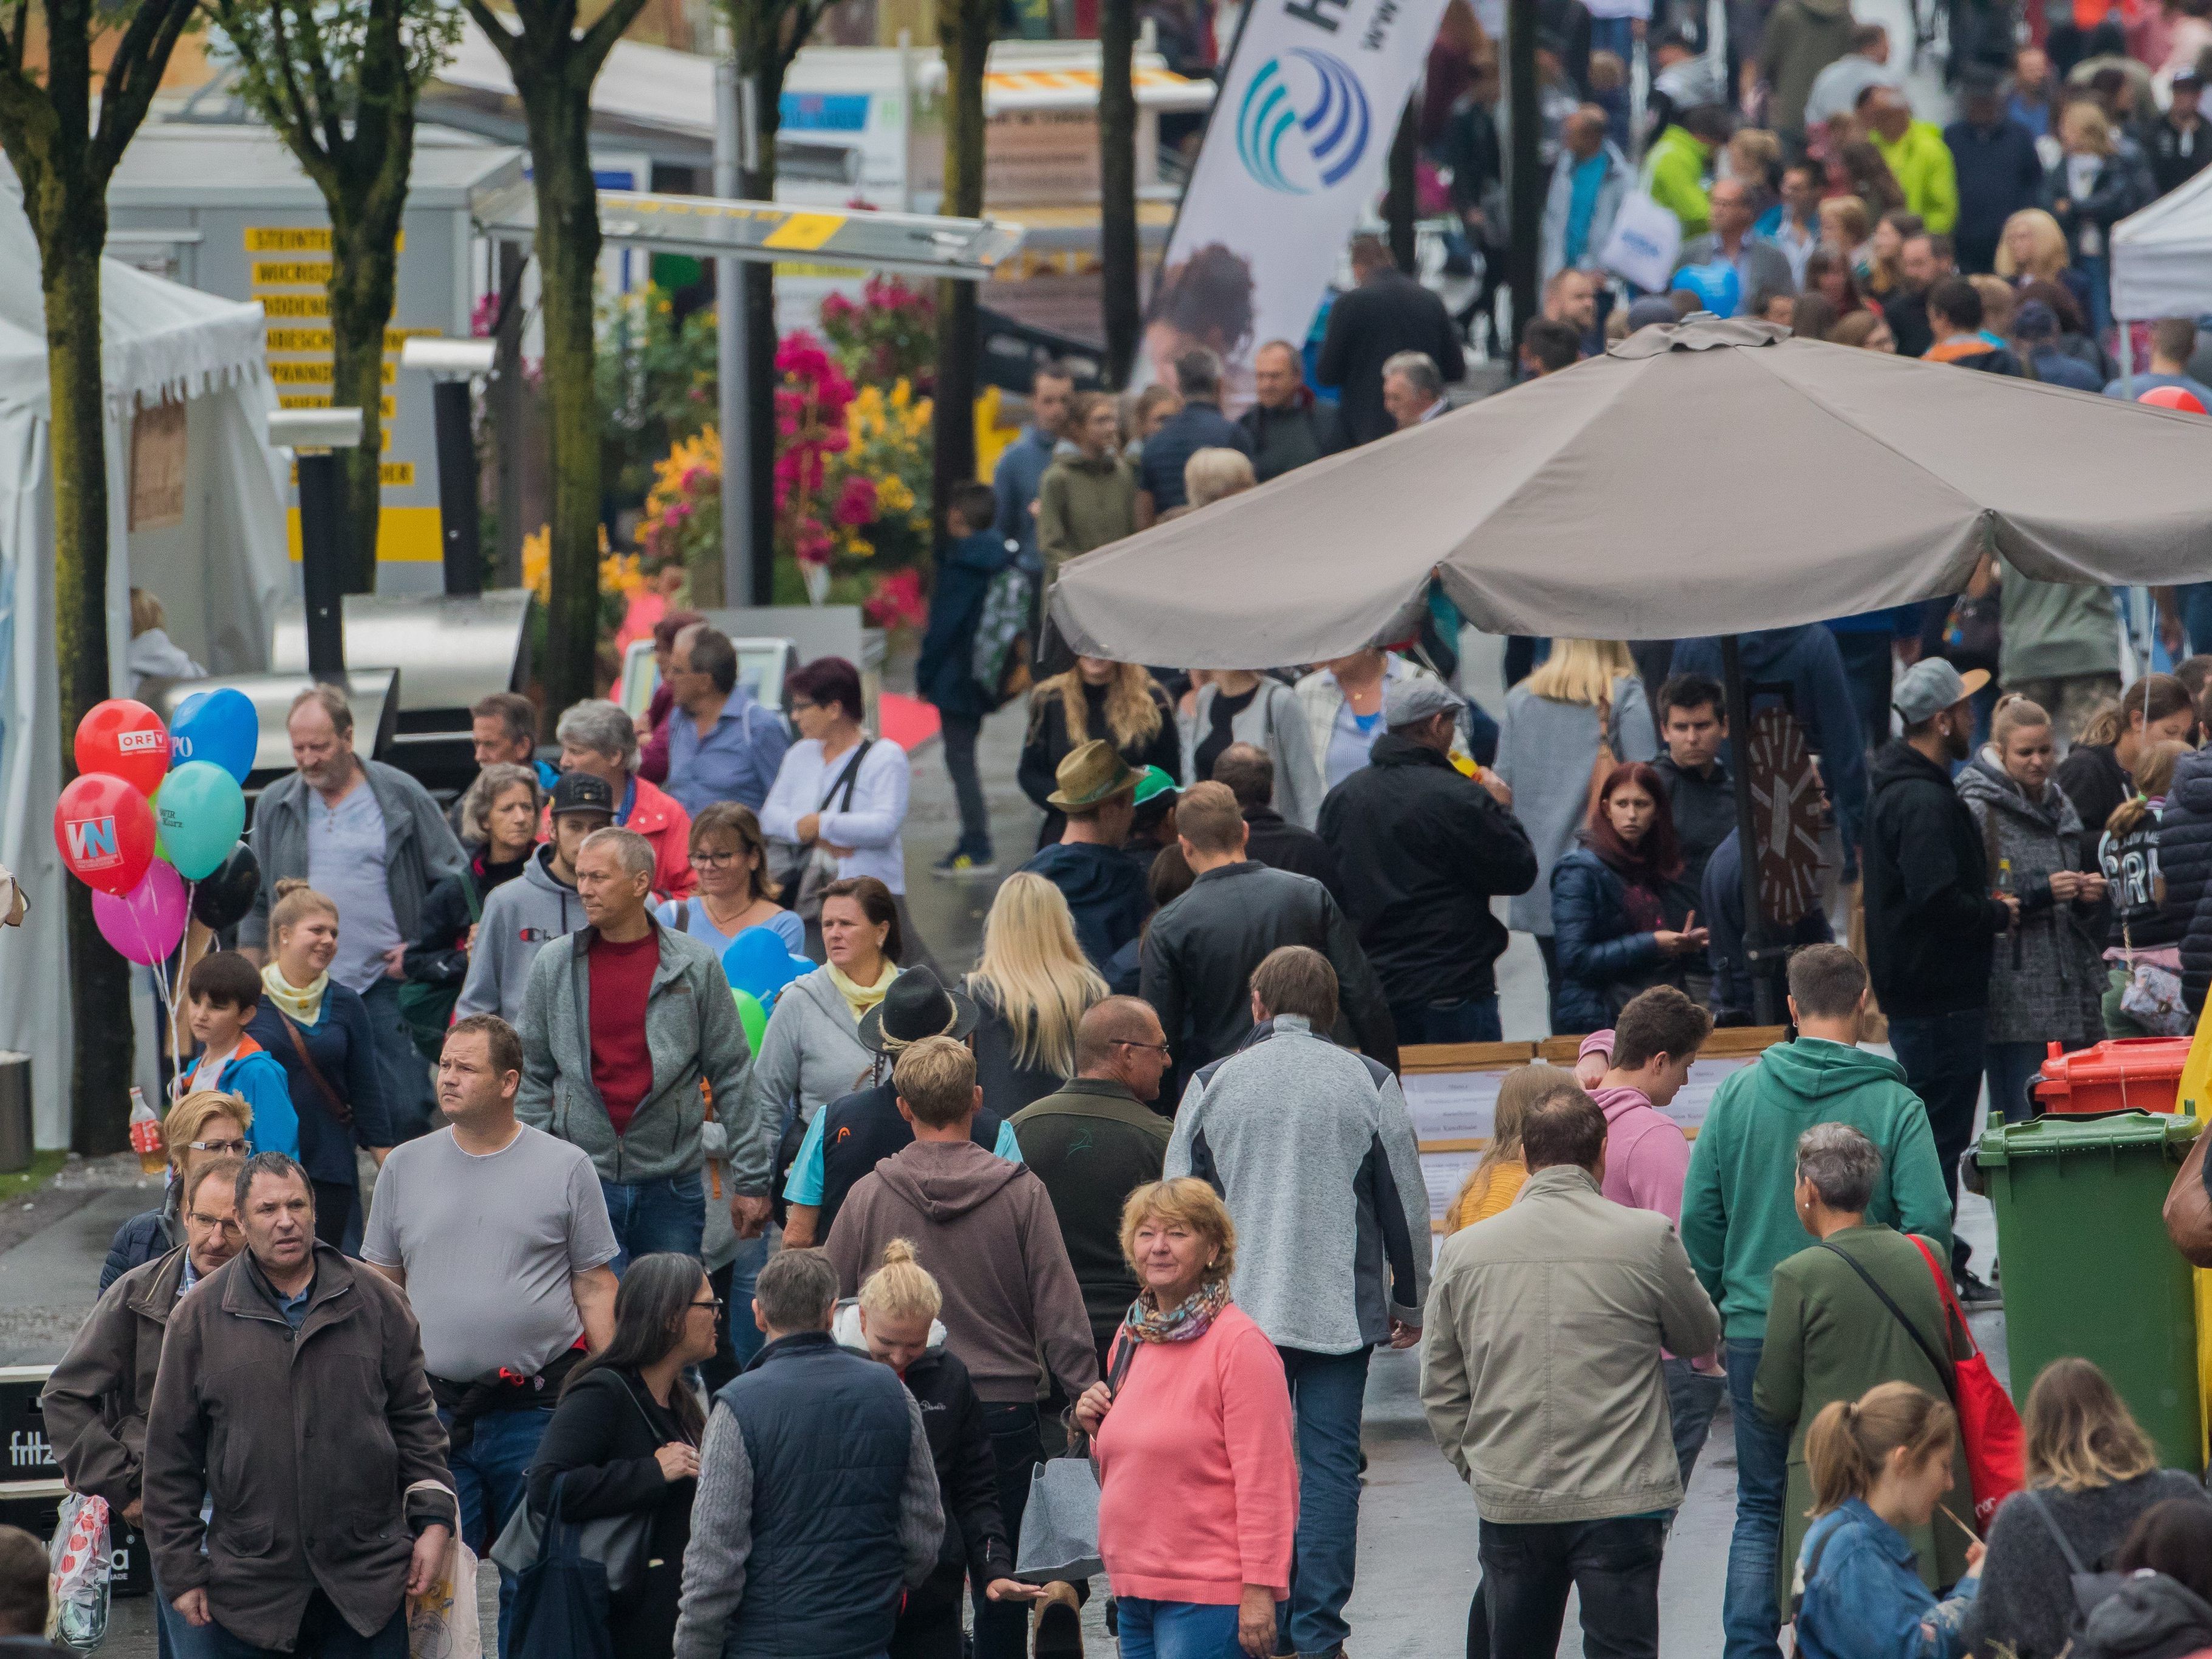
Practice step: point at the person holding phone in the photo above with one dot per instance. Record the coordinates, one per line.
(1624, 917)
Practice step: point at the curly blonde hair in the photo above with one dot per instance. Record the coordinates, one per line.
(1195, 1204)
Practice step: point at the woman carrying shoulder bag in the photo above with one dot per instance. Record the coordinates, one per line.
(624, 1439)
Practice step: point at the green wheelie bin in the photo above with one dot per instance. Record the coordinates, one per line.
(2089, 1270)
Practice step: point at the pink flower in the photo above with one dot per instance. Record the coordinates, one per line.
(856, 504)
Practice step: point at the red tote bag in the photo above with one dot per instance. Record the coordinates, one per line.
(1988, 1421)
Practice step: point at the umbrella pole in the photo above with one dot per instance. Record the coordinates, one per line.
(1755, 947)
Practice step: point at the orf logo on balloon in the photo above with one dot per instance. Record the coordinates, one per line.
(92, 843)
(139, 743)
(1304, 123)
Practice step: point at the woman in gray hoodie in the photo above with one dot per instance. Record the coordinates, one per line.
(2047, 979)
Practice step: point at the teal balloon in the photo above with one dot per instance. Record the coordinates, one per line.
(752, 1017)
(200, 813)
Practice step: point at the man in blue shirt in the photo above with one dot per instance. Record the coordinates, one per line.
(722, 745)
(1199, 424)
(1589, 181)
(1021, 468)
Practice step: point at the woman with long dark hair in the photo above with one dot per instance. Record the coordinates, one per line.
(625, 1437)
(1623, 920)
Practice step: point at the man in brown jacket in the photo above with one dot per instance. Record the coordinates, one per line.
(984, 1227)
(292, 1396)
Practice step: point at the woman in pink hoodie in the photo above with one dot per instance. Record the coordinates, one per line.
(1198, 1497)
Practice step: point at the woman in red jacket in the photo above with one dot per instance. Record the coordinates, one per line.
(597, 737)
(1197, 1483)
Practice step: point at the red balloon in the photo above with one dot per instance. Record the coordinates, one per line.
(2174, 396)
(124, 739)
(105, 830)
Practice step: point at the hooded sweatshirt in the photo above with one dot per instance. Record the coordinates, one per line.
(986, 1228)
(1739, 1211)
(1646, 1153)
(520, 917)
(1083, 502)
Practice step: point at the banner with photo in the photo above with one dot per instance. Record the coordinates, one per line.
(1295, 151)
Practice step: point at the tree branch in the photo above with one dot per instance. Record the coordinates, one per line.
(599, 40)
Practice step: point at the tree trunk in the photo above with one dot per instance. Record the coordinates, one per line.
(1398, 204)
(1524, 179)
(1117, 186)
(963, 33)
(363, 259)
(100, 981)
(567, 263)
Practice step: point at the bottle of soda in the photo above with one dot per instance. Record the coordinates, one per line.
(146, 1137)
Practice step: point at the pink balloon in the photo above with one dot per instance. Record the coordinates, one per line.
(145, 924)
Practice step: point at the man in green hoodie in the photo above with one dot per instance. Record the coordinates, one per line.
(1739, 1220)
(1674, 171)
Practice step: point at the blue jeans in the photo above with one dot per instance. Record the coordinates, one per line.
(1748, 1617)
(2008, 1067)
(746, 1339)
(174, 1636)
(1326, 1392)
(489, 1476)
(653, 1216)
(1942, 1055)
(1175, 1630)
(1468, 1019)
(323, 1631)
(1692, 1397)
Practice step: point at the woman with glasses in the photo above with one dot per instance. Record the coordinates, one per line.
(199, 1128)
(730, 858)
(625, 1437)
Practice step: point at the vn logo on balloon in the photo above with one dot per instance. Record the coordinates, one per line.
(1304, 123)
(92, 843)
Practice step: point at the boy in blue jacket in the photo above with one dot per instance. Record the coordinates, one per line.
(222, 991)
(974, 554)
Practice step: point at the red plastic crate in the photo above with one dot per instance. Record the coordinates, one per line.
(2120, 1075)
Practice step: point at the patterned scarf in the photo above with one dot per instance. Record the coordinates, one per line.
(1185, 1323)
(303, 1002)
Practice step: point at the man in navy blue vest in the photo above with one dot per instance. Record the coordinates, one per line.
(817, 1501)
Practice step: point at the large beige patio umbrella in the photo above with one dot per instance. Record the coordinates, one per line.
(1705, 477)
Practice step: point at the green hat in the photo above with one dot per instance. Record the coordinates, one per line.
(1153, 782)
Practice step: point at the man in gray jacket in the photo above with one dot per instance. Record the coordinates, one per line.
(371, 839)
(1541, 1378)
(621, 1022)
(1311, 1147)
(522, 916)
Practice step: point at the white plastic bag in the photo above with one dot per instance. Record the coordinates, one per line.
(1645, 241)
(77, 1584)
(442, 1622)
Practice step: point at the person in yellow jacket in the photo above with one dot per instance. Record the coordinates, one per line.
(1917, 154)
(1674, 171)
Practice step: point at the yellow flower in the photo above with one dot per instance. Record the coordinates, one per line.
(892, 495)
(538, 563)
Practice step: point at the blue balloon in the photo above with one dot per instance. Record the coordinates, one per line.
(1715, 283)
(217, 727)
(758, 961)
(201, 813)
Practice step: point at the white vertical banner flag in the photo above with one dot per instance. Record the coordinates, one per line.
(1297, 145)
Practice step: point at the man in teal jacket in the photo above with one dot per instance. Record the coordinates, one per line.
(1740, 1219)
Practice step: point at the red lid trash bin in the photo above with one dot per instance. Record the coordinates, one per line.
(2120, 1075)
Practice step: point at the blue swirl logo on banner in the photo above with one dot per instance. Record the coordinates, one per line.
(1319, 97)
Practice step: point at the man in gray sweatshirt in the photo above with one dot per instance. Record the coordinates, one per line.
(539, 905)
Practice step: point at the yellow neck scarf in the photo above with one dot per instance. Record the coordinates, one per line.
(861, 998)
(304, 1003)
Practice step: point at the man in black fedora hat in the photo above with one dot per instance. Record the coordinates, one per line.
(1103, 887)
(853, 1133)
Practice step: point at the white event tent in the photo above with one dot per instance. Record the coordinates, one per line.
(2162, 256)
(210, 545)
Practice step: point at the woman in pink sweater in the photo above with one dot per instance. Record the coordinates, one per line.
(1198, 1484)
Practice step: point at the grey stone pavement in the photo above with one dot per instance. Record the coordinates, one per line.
(1416, 1562)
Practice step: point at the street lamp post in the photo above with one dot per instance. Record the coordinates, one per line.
(315, 436)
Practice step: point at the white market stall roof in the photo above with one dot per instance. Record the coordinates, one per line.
(206, 164)
(654, 87)
(2162, 256)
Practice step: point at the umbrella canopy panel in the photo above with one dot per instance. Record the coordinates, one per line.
(1705, 477)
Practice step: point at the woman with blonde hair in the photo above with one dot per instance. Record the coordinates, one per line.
(2091, 1473)
(893, 1323)
(2143, 951)
(1585, 694)
(1496, 1181)
(1119, 701)
(320, 1032)
(205, 1125)
(1197, 1478)
(2091, 186)
(2032, 248)
(1213, 475)
(1032, 986)
(1881, 1465)
(153, 655)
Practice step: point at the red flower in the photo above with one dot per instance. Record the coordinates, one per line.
(856, 504)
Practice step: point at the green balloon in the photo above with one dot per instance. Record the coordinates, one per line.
(752, 1017)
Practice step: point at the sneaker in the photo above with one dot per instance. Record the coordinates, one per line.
(957, 865)
(1973, 1293)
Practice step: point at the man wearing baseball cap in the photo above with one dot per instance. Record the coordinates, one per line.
(538, 906)
(1422, 850)
(1933, 914)
(2180, 144)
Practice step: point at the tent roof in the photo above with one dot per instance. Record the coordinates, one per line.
(1701, 478)
(158, 339)
(2162, 256)
(206, 164)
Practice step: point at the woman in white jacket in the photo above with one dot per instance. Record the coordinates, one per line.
(1237, 706)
